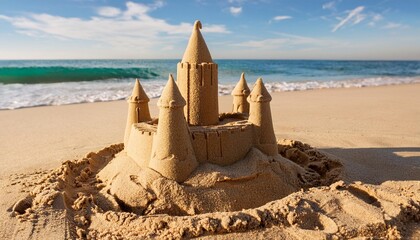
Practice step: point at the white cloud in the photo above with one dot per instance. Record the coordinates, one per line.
(358, 18)
(132, 26)
(281, 18)
(288, 40)
(109, 11)
(266, 43)
(354, 16)
(329, 5)
(235, 11)
(392, 25)
(375, 18)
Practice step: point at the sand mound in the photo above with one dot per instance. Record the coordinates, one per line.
(249, 183)
(343, 211)
(105, 194)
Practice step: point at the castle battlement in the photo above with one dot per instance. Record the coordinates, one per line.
(207, 72)
(189, 131)
(223, 145)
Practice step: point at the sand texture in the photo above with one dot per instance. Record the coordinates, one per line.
(361, 180)
(110, 182)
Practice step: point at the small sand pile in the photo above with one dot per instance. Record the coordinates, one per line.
(105, 194)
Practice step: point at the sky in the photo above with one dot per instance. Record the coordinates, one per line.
(233, 29)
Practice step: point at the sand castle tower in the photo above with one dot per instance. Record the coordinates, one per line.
(240, 94)
(260, 116)
(172, 153)
(197, 79)
(138, 109)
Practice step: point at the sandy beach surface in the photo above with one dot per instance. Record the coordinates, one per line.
(375, 132)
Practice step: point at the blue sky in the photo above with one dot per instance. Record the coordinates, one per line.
(251, 29)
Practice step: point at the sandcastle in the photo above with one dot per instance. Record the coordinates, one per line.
(189, 130)
(190, 172)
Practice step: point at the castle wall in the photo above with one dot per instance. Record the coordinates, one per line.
(137, 112)
(222, 146)
(198, 84)
(140, 143)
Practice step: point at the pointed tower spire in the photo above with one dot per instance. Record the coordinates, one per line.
(172, 152)
(260, 116)
(197, 51)
(197, 79)
(138, 93)
(171, 97)
(138, 109)
(259, 92)
(240, 93)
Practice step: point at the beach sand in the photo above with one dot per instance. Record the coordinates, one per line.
(375, 132)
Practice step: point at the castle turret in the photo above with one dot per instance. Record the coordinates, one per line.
(260, 116)
(138, 109)
(240, 94)
(172, 152)
(197, 78)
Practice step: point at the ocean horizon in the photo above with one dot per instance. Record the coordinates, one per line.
(30, 83)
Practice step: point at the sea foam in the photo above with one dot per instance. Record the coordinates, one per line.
(14, 96)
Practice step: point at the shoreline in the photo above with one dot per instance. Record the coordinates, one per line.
(225, 90)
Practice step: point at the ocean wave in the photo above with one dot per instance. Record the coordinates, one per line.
(14, 96)
(54, 74)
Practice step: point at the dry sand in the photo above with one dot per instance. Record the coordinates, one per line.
(374, 131)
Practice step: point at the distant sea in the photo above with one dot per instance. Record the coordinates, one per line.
(29, 83)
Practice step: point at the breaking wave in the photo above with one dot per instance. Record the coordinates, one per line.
(54, 74)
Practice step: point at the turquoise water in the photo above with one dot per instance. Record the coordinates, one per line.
(27, 83)
(49, 71)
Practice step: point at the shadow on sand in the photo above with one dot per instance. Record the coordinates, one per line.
(377, 165)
